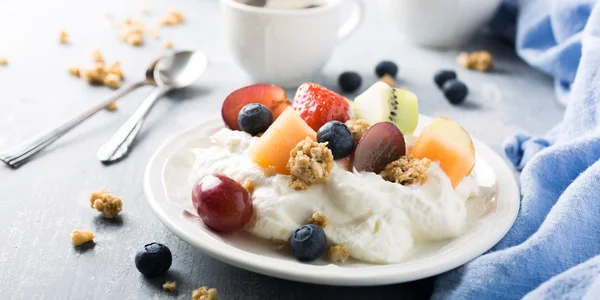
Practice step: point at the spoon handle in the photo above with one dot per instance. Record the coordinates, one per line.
(18, 156)
(119, 144)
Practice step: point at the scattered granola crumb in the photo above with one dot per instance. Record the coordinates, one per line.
(248, 186)
(309, 162)
(281, 245)
(106, 203)
(358, 128)
(407, 170)
(388, 79)
(112, 106)
(479, 60)
(63, 37)
(94, 75)
(97, 56)
(74, 71)
(3, 60)
(112, 81)
(168, 44)
(169, 286)
(204, 293)
(173, 17)
(270, 171)
(338, 253)
(318, 219)
(80, 237)
(115, 68)
(132, 32)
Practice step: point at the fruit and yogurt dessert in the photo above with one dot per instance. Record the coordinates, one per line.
(326, 172)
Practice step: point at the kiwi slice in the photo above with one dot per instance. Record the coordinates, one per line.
(382, 103)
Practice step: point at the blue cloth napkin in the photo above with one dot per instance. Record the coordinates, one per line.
(553, 249)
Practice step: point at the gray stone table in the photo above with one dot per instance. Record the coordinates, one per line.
(44, 200)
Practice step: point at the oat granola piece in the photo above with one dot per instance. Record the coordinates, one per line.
(338, 253)
(269, 171)
(407, 170)
(478, 60)
(281, 245)
(80, 237)
(168, 44)
(112, 81)
(63, 37)
(310, 162)
(97, 56)
(169, 286)
(106, 203)
(74, 71)
(358, 127)
(173, 17)
(132, 32)
(204, 293)
(114, 68)
(94, 75)
(248, 186)
(3, 61)
(318, 219)
(112, 106)
(388, 79)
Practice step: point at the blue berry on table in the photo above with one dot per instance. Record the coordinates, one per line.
(455, 91)
(349, 82)
(255, 118)
(442, 76)
(386, 67)
(154, 260)
(338, 137)
(308, 242)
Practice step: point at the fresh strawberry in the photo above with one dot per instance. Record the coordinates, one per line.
(318, 105)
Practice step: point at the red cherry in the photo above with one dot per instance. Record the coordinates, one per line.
(222, 203)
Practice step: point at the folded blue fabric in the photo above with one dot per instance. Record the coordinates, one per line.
(552, 251)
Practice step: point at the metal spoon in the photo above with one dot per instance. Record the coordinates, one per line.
(18, 156)
(173, 72)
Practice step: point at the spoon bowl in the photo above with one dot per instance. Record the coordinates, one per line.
(180, 69)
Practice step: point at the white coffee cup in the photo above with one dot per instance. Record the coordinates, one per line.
(287, 46)
(439, 23)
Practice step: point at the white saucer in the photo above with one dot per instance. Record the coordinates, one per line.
(169, 195)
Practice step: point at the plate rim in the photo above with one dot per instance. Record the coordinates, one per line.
(269, 266)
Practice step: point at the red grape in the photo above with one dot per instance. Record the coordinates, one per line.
(222, 203)
(382, 144)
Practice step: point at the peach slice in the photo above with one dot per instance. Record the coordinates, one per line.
(269, 95)
(274, 146)
(449, 144)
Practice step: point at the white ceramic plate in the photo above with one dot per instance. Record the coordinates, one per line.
(169, 194)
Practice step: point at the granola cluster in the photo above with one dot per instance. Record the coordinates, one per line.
(407, 170)
(358, 127)
(249, 186)
(132, 32)
(309, 162)
(80, 237)
(108, 75)
(3, 61)
(173, 17)
(478, 60)
(318, 219)
(63, 37)
(338, 253)
(169, 286)
(105, 202)
(204, 293)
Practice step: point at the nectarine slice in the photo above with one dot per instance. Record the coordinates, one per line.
(449, 144)
(274, 146)
(269, 95)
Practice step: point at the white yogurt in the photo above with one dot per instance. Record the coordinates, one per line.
(378, 220)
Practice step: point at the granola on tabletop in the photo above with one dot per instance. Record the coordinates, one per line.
(106, 203)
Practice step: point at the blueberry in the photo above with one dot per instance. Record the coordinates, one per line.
(255, 118)
(442, 76)
(386, 67)
(339, 138)
(349, 82)
(154, 260)
(308, 242)
(455, 91)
